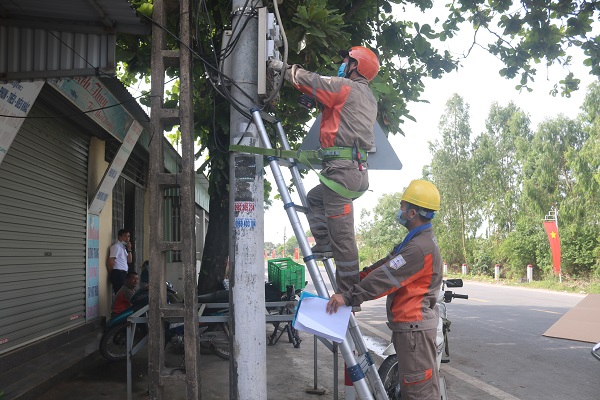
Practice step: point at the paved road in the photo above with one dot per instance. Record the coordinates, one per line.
(497, 350)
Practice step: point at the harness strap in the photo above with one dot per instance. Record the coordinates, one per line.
(331, 184)
(310, 155)
(306, 157)
(343, 153)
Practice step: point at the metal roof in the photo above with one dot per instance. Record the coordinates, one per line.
(47, 39)
(99, 16)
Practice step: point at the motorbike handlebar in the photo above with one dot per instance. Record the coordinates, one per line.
(460, 296)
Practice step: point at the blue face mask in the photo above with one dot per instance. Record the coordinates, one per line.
(342, 71)
(401, 220)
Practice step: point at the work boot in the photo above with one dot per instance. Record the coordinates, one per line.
(322, 251)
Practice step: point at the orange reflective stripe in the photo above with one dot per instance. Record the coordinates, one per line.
(407, 305)
(419, 377)
(347, 210)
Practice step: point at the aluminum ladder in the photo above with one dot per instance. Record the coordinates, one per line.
(361, 368)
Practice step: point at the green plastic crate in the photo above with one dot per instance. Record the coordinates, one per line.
(284, 271)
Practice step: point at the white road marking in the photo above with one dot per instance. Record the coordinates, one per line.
(491, 390)
(546, 311)
(375, 331)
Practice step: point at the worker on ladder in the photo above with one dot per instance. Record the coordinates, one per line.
(410, 276)
(346, 134)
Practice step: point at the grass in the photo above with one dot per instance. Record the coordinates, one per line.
(569, 285)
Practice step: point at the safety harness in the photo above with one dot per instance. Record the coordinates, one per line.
(308, 157)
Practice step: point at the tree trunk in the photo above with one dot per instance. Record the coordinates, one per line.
(216, 248)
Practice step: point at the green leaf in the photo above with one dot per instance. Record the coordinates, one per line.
(420, 44)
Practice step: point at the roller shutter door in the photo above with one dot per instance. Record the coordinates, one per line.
(43, 208)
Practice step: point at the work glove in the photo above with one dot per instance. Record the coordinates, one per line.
(275, 65)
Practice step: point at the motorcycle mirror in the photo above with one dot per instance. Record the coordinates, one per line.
(454, 283)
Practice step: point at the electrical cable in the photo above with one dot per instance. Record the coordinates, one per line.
(88, 111)
(285, 56)
(237, 106)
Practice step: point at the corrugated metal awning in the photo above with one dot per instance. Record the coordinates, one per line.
(98, 16)
(41, 39)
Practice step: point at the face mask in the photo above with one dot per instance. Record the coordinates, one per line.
(342, 71)
(401, 220)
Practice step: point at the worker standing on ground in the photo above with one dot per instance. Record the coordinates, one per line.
(346, 134)
(410, 276)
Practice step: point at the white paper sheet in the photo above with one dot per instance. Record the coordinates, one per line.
(312, 317)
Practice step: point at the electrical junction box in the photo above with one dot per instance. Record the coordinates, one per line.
(269, 42)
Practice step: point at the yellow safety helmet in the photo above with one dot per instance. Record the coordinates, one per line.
(423, 194)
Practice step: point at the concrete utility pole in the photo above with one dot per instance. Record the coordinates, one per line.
(248, 376)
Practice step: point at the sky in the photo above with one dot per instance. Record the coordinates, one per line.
(480, 85)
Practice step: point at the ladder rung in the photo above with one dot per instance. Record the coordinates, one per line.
(268, 117)
(170, 116)
(301, 209)
(170, 58)
(284, 162)
(170, 246)
(167, 181)
(167, 377)
(171, 312)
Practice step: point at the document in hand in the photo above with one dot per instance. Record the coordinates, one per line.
(312, 317)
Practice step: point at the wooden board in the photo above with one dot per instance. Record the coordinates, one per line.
(581, 323)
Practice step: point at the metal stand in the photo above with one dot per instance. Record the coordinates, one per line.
(287, 309)
(360, 368)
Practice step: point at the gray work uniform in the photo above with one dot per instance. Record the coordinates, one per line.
(411, 280)
(349, 113)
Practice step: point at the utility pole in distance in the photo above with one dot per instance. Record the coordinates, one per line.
(248, 364)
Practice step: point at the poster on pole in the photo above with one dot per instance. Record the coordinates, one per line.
(552, 232)
(16, 100)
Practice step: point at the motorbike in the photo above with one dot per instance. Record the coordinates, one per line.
(213, 335)
(388, 371)
(596, 351)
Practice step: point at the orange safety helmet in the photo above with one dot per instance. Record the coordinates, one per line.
(368, 63)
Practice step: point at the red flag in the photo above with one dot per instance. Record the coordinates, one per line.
(554, 239)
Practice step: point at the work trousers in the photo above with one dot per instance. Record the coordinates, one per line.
(331, 220)
(417, 365)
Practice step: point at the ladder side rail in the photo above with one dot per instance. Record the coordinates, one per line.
(360, 384)
(371, 369)
(293, 166)
(359, 342)
(354, 332)
(290, 210)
